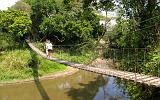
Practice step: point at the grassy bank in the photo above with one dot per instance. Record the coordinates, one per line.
(24, 64)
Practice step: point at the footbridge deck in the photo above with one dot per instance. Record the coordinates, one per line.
(140, 78)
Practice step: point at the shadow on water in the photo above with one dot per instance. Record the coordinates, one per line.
(34, 66)
(87, 91)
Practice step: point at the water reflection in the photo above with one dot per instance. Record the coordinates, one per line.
(139, 91)
(111, 91)
(79, 86)
(86, 91)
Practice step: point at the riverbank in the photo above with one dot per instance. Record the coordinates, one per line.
(68, 71)
(23, 64)
(20, 64)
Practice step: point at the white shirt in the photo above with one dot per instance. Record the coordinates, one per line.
(49, 46)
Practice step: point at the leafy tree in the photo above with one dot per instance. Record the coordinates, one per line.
(67, 25)
(138, 27)
(40, 10)
(16, 23)
(22, 6)
(103, 5)
(89, 15)
(142, 17)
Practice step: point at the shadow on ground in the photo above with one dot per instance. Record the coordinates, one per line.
(34, 66)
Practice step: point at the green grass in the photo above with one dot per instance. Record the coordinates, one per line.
(25, 64)
(85, 57)
(78, 54)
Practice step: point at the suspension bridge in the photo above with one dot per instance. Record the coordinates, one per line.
(136, 77)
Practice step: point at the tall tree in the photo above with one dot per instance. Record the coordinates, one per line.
(15, 25)
(40, 10)
(142, 17)
(20, 5)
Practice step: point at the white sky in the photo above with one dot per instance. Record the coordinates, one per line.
(4, 4)
(109, 13)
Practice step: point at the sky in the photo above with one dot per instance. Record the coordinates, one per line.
(109, 13)
(4, 4)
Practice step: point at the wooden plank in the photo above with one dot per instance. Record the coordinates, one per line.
(155, 80)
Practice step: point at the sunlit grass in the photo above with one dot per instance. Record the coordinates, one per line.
(21, 64)
(74, 54)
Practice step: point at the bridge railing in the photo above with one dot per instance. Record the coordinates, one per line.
(80, 53)
(133, 60)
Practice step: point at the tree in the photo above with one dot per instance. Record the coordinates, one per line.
(103, 5)
(138, 26)
(67, 25)
(22, 6)
(16, 23)
(41, 9)
(145, 21)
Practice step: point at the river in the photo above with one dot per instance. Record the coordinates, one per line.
(79, 86)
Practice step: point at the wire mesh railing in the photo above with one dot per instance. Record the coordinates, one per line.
(135, 60)
(80, 53)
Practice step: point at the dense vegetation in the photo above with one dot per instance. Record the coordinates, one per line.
(67, 21)
(134, 41)
(60, 21)
(22, 64)
(137, 32)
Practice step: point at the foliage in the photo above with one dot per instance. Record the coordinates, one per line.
(22, 6)
(15, 23)
(106, 5)
(137, 29)
(75, 25)
(66, 20)
(153, 65)
(19, 64)
(43, 8)
(125, 36)
(103, 5)
(6, 41)
(40, 9)
(90, 16)
(84, 57)
(138, 23)
(138, 91)
(67, 2)
(59, 26)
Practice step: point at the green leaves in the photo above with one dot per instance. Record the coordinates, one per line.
(81, 29)
(15, 22)
(106, 5)
(22, 6)
(66, 25)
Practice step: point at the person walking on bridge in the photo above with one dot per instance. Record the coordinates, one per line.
(48, 47)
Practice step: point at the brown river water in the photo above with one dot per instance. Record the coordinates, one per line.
(79, 86)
